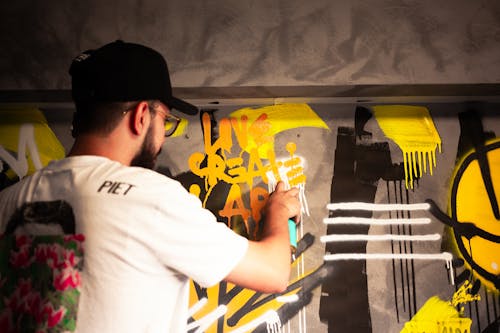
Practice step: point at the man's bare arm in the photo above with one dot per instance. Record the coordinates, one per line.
(266, 264)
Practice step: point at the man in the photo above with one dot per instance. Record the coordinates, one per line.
(145, 235)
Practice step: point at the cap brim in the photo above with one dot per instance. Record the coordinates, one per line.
(182, 106)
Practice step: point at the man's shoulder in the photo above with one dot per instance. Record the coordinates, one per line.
(113, 176)
(102, 166)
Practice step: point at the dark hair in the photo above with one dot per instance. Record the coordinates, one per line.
(102, 117)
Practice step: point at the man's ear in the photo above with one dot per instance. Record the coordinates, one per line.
(140, 118)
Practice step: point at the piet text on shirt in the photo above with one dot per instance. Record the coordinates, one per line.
(113, 187)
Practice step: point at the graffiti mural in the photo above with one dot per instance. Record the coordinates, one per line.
(352, 216)
(400, 229)
(241, 163)
(26, 144)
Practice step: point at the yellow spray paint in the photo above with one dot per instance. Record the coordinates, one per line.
(278, 118)
(463, 295)
(412, 129)
(473, 206)
(438, 316)
(26, 141)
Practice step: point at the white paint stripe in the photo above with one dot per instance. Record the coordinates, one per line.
(271, 318)
(373, 221)
(303, 199)
(20, 164)
(197, 307)
(205, 322)
(376, 207)
(387, 237)
(446, 256)
(287, 298)
(362, 256)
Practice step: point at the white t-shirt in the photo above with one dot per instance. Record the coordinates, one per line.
(145, 236)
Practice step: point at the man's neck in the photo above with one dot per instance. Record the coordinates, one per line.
(106, 146)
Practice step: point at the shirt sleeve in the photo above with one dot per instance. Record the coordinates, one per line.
(187, 238)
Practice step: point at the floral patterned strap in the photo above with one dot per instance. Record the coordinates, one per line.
(39, 282)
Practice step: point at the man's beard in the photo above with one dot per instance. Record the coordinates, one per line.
(146, 157)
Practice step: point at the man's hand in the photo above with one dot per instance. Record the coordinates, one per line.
(285, 202)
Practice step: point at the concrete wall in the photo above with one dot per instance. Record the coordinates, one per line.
(346, 156)
(261, 43)
(214, 48)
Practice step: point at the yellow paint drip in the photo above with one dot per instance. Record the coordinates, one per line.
(269, 120)
(462, 295)
(412, 129)
(437, 316)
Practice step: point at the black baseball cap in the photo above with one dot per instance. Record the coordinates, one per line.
(124, 72)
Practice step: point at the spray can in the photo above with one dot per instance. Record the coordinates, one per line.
(292, 230)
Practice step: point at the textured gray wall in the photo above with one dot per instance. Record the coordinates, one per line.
(260, 43)
(318, 148)
(275, 43)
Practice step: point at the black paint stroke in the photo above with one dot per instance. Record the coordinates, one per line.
(465, 275)
(303, 286)
(305, 242)
(406, 267)
(493, 327)
(362, 116)
(394, 282)
(256, 300)
(359, 164)
(306, 285)
(412, 262)
(472, 131)
(467, 230)
(495, 309)
(488, 319)
(395, 176)
(5, 180)
(398, 228)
